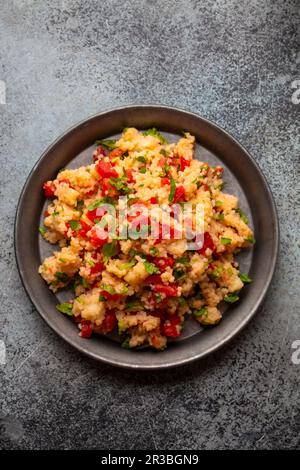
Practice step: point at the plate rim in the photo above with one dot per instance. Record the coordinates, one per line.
(219, 344)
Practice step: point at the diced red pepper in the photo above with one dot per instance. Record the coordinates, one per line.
(153, 200)
(92, 192)
(171, 327)
(179, 194)
(162, 161)
(184, 163)
(49, 189)
(169, 291)
(109, 296)
(92, 215)
(153, 279)
(109, 322)
(130, 177)
(115, 153)
(84, 228)
(172, 331)
(96, 240)
(207, 243)
(105, 170)
(86, 329)
(205, 187)
(46, 213)
(163, 263)
(165, 181)
(97, 267)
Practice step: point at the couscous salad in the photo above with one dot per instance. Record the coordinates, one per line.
(146, 239)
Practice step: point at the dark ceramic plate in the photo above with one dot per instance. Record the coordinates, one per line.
(243, 178)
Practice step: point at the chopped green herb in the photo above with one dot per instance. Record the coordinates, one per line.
(42, 231)
(122, 326)
(158, 298)
(150, 268)
(155, 133)
(154, 251)
(55, 213)
(250, 239)
(172, 189)
(99, 202)
(202, 312)
(219, 216)
(132, 201)
(102, 298)
(218, 203)
(179, 274)
(61, 277)
(65, 308)
(164, 152)
(215, 274)
(225, 241)
(245, 278)
(84, 282)
(183, 260)
(79, 206)
(143, 170)
(124, 290)
(120, 184)
(128, 265)
(75, 225)
(184, 132)
(231, 298)
(108, 289)
(125, 344)
(62, 260)
(110, 249)
(242, 216)
(108, 144)
(141, 159)
(181, 301)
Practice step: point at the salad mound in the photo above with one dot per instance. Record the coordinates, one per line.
(127, 276)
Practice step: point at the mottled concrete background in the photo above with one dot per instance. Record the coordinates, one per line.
(232, 61)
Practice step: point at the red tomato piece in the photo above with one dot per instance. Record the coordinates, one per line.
(105, 170)
(165, 181)
(49, 189)
(84, 228)
(169, 291)
(109, 296)
(86, 329)
(179, 194)
(163, 263)
(172, 331)
(153, 279)
(153, 200)
(207, 243)
(97, 268)
(130, 177)
(109, 322)
(184, 163)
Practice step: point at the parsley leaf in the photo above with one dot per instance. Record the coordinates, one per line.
(225, 241)
(155, 133)
(172, 189)
(110, 249)
(65, 308)
(245, 278)
(61, 277)
(108, 144)
(231, 298)
(242, 216)
(150, 268)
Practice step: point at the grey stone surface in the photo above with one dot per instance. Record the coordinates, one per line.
(232, 61)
